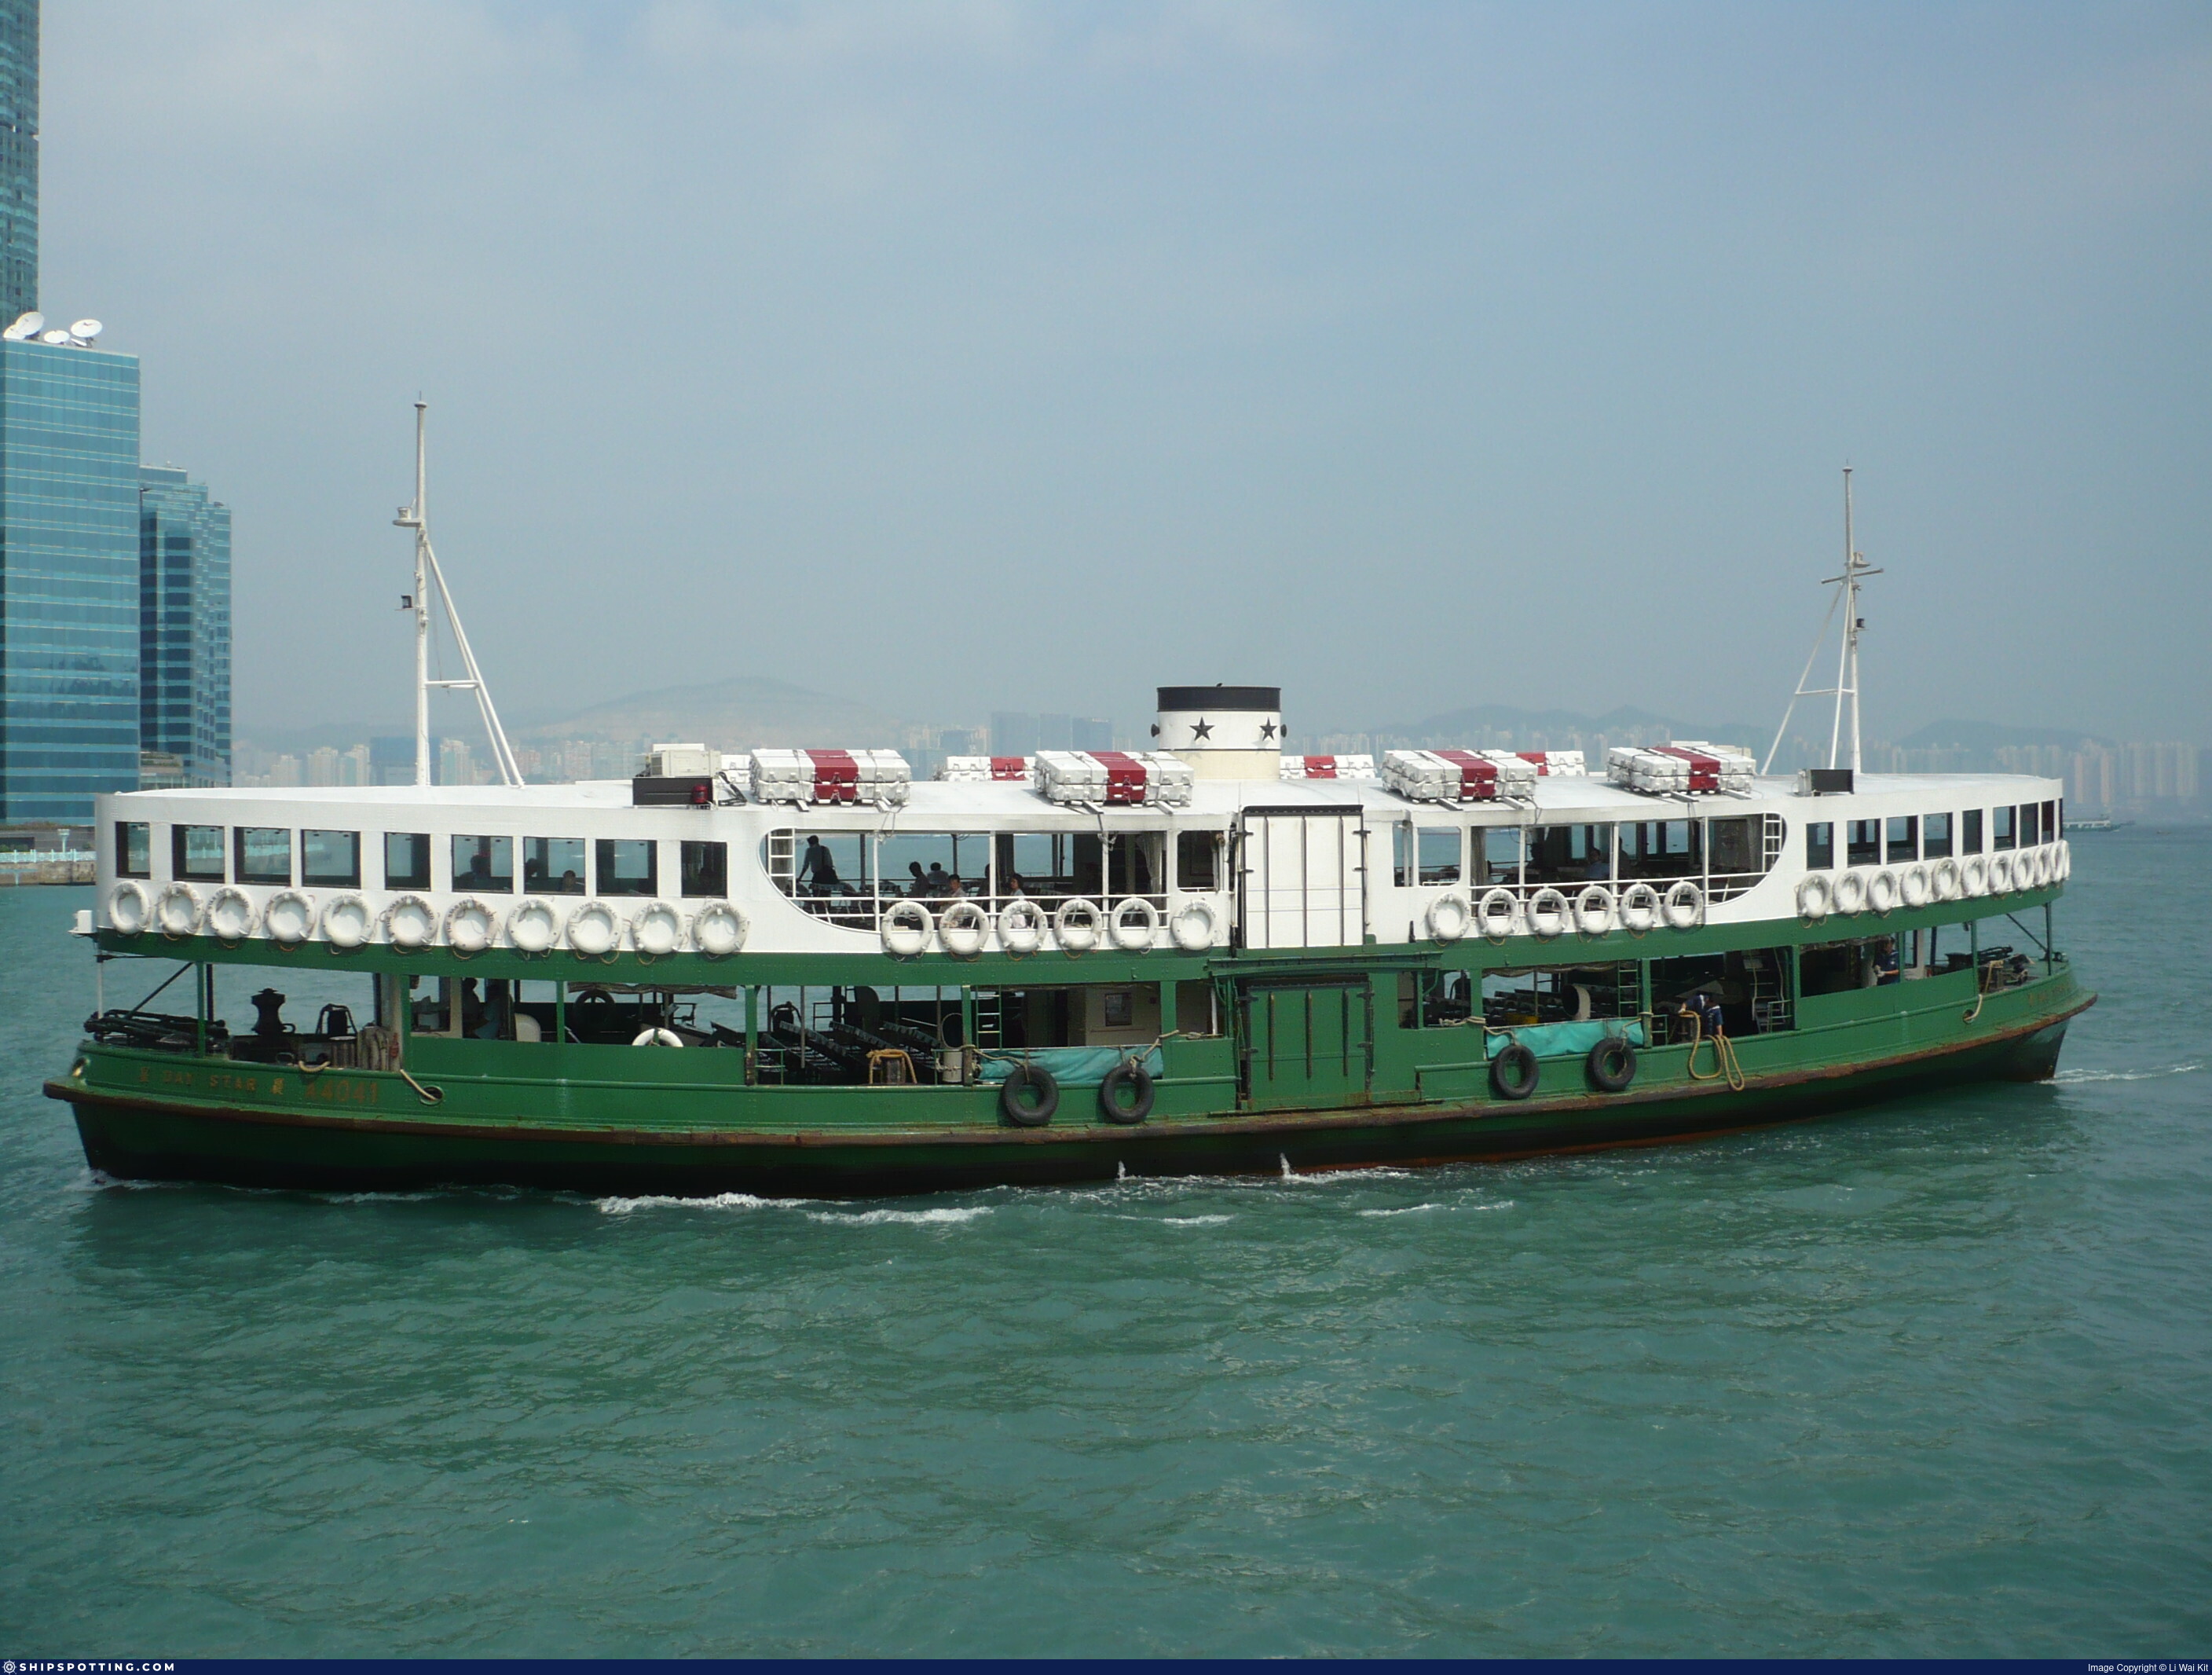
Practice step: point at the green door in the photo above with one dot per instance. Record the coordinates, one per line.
(1307, 1044)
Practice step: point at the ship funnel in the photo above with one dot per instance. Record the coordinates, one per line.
(1223, 732)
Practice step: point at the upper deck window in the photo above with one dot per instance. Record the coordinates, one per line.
(1934, 837)
(1198, 863)
(406, 860)
(1501, 857)
(332, 859)
(1904, 837)
(1820, 845)
(1661, 848)
(2003, 834)
(1970, 833)
(629, 867)
(264, 854)
(196, 853)
(1565, 855)
(554, 866)
(1734, 845)
(1862, 844)
(484, 863)
(134, 848)
(706, 869)
(940, 866)
(1428, 855)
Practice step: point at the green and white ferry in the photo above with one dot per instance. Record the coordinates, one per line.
(800, 973)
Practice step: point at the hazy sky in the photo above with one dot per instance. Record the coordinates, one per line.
(981, 356)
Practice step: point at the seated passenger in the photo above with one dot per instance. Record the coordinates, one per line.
(938, 881)
(1012, 886)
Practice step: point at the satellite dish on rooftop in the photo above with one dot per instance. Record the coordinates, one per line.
(25, 325)
(56, 336)
(85, 329)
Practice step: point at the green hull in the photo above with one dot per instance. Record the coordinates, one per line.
(604, 1121)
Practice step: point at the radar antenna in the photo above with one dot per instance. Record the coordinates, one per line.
(1856, 571)
(416, 517)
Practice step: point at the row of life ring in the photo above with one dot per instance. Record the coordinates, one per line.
(532, 925)
(1548, 914)
(1883, 890)
(965, 929)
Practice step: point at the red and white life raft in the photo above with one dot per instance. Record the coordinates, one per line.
(1457, 776)
(1686, 767)
(1554, 764)
(987, 770)
(831, 775)
(1109, 777)
(1328, 767)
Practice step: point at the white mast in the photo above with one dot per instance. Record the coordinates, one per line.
(416, 517)
(1856, 571)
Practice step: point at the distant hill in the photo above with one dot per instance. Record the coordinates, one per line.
(728, 714)
(1991, 735)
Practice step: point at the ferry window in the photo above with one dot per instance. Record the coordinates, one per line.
(1862, 844)
(1439, 847)
(484, 863)
(1734, 845)
(196, 853)
(942, 866)
(1402, 856)
(629, 867)
(1501, 855)
(1135, 863)
(2002, 832)
(1038, 858)
(1904, 837)
(1661, 849)
(264, 854)
(1570, 853)
(134, 848)
(1198, 861)
(406, 860)
(332, 859)
(2050, 822)
(1820, 845)
(1970, 833)
(1934, 837)
(706, 869)
(554, 866)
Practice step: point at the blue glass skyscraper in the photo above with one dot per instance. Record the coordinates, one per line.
(19, 158)
(69, 578)
(184, 623)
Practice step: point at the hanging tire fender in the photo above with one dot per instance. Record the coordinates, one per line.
(1131, 1075)
(1513, 1072)
(1611, 1065)
(1015, 1093)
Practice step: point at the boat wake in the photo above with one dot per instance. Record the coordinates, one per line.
(2079, 1076)
(918, 1218)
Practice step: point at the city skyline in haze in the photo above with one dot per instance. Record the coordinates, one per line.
(973, 357)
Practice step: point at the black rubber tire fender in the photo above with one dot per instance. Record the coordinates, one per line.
(1612, 1064)
(1513, 1072)
(1131, 1075)
(1022, 1082)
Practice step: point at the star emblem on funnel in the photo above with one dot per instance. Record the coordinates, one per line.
(1204, 729)
(1267, 730)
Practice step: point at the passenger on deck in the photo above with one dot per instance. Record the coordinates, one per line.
(919, 887)
(1012, 886)
(939, 882)
(818, 873)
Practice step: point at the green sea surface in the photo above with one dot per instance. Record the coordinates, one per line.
(1935, 1378)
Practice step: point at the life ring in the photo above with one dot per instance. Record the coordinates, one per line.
(2027, 871)
(2000, 874)
(1022, 926)
(1548, 914)
(127, 911)
(1685, 904)
(1611, 1065)
(1595, 908)
(177, 910)
(593, 930)
(1513, 1072)
(1029, 1096)
(1135, 1076)
(2064, 852)
(1882, 892)
(532, 925)
(230, 915)
(657, 930)
(1913, 887)
(1639, 909)
(962, 928)
(1943, 879)
(290, 918)
(1076, 926)
(1134, 938)
(1450, 917)
(410, 923)
(905, 927)
(1812, 898)
(469, 925)
(1193, 926)
(1850, 895)
(656, 1036)
(1497, 913)
(719, 930)
(347, 922)
(1974, 876)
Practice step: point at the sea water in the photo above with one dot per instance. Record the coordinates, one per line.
(1933, 1378)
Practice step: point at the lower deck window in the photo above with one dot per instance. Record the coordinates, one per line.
(406, 860)
(484, 863)
(629, 867)
(706, 869)
(196, 853)
(134, 848)
(330, 859)
(1820, 846)
(1751, 988)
